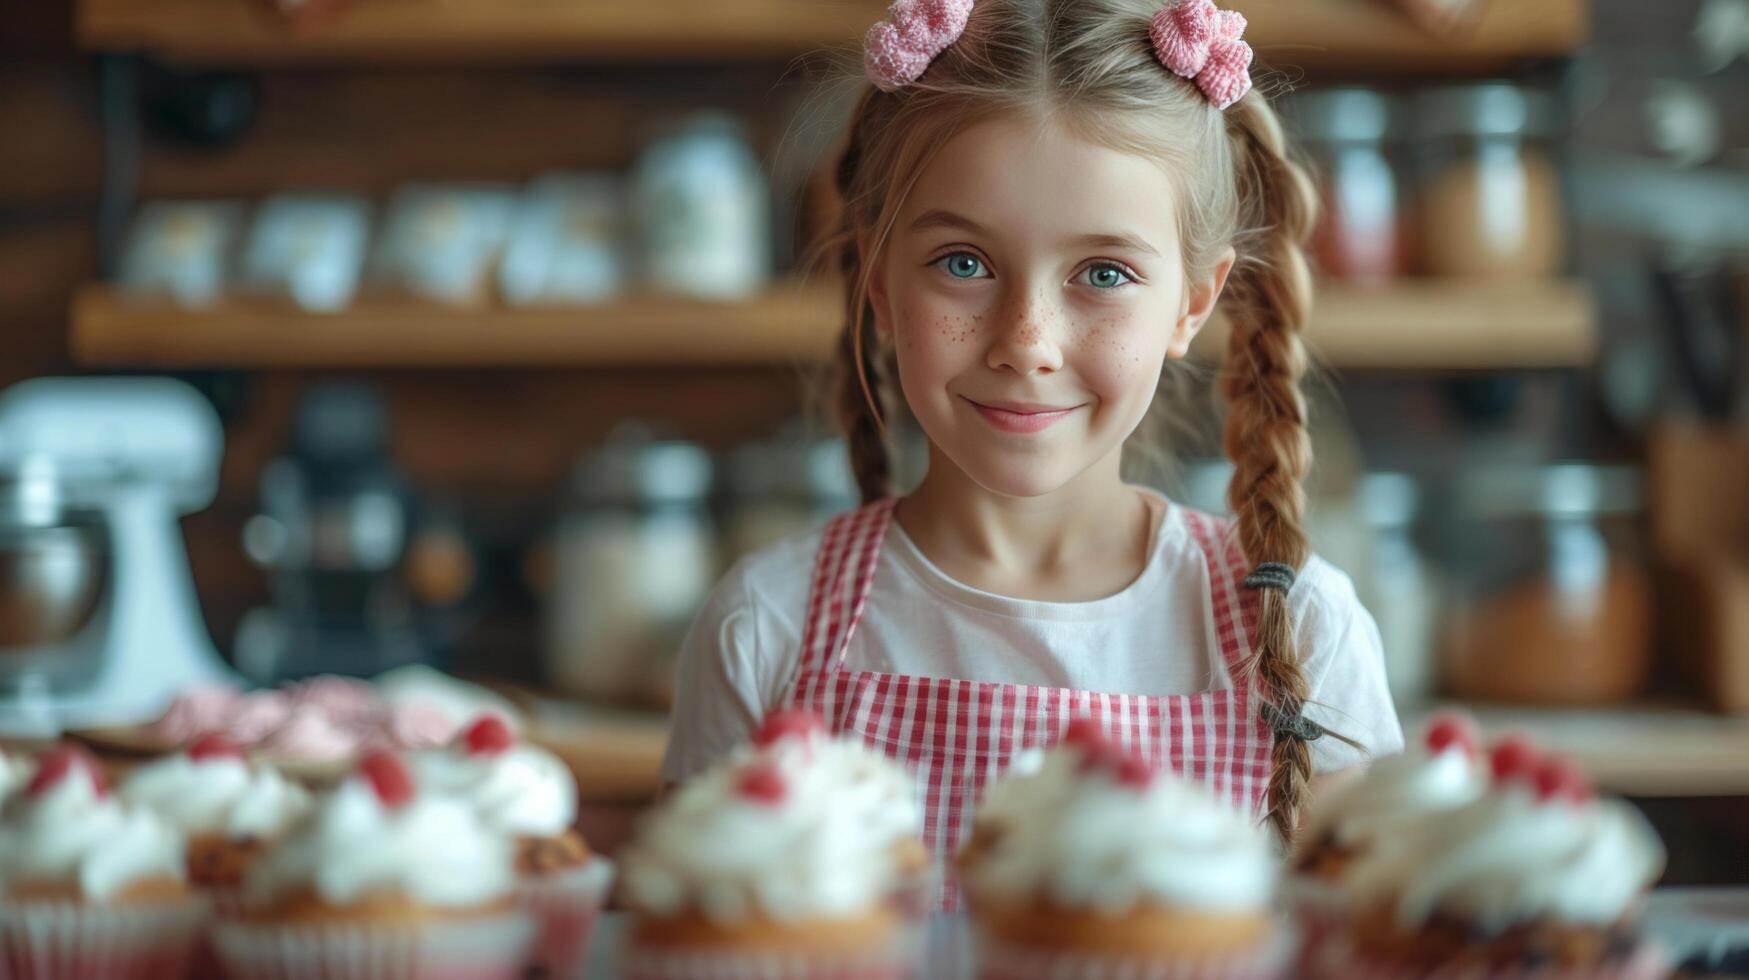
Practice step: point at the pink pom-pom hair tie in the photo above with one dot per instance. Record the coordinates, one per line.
(896, 51)
(1194, 39)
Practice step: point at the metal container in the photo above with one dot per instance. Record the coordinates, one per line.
(53, 572)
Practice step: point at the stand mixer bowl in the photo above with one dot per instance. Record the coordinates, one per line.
(54, 570)
(52, 581)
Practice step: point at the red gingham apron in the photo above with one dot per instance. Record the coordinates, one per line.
(956, 735)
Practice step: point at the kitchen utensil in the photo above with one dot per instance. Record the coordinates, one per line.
(109, 464)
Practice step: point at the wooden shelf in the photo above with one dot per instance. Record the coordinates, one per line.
(1639, 751)
(1432, 325)
(1452, 325)
(1345, 35)
(787, 325)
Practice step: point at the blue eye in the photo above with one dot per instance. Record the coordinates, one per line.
(961, 265)
(1106, 276)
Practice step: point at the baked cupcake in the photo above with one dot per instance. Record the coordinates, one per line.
(228, 808)
(92, 887)
(529, 795)
(1085, 864)
(383, 881)
(1538, 877)
(780, 861)
(1445, 770)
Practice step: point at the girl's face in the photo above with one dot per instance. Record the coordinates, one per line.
(1033, 287)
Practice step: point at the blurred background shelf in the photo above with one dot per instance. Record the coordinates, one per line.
(1435, 325)
(782, 326)
(1345, 34)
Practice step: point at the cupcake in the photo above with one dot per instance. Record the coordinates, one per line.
(382, 881)
(92, 887)
(782, 861)
(1441, 773)
(1444, 771)
(228, 808)
(529, 795)
(1086, 864)
(1537, 877)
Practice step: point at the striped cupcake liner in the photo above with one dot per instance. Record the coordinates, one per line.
(1339, 959)
(564, 907)
(1320, 908)
(64, 940)
(895, 961)
(492, 947)
(998, 960)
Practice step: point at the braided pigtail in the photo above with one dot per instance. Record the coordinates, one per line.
(1269, 299)
(860, 383)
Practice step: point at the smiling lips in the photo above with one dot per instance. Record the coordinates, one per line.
(1020, 417)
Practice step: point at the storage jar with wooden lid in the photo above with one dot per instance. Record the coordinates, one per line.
(1489, 196)
(1549, 599)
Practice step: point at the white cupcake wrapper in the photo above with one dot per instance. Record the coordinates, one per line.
(895, 962)
(1338, 959)
(998, 960)
(1321, 908)
(915, 898)
(564, 907)
(491, 947)
(60, 940)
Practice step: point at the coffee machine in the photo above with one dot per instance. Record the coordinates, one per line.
(99, 624)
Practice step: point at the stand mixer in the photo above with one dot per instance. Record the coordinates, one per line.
(99, 624)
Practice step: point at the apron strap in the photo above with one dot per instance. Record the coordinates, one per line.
(1235, 606)
(843, 576)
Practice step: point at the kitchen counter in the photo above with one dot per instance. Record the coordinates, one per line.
(1694, 924)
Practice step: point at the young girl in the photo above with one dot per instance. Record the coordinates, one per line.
(1044, 200)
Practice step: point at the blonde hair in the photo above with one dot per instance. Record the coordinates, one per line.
(1087, 65)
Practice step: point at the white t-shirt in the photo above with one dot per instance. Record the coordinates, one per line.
(1154, 637)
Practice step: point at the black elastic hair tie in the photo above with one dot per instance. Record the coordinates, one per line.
(1296, 726)
(1271, 575)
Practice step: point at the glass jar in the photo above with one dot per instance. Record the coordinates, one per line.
(634, 557)
(1550, 601)
(1352, 136)
(703, 207)
(784, 486)
(1489, 198)
(1399, 585)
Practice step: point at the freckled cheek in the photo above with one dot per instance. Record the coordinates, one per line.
(1119, 356)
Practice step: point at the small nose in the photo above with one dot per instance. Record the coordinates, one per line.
(1026, 341)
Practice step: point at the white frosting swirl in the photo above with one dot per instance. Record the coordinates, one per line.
(824, 850)
(1508, 858)
(15, 773)
(433, 849)
(523, 790)
(1396, 793)
(69, 833)
(1076, 836)
(224, 795)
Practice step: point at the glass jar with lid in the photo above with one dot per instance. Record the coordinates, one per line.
(782, 486)
(634, 557)
(1353, 137)
(1550, 602)
(1489, 197)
